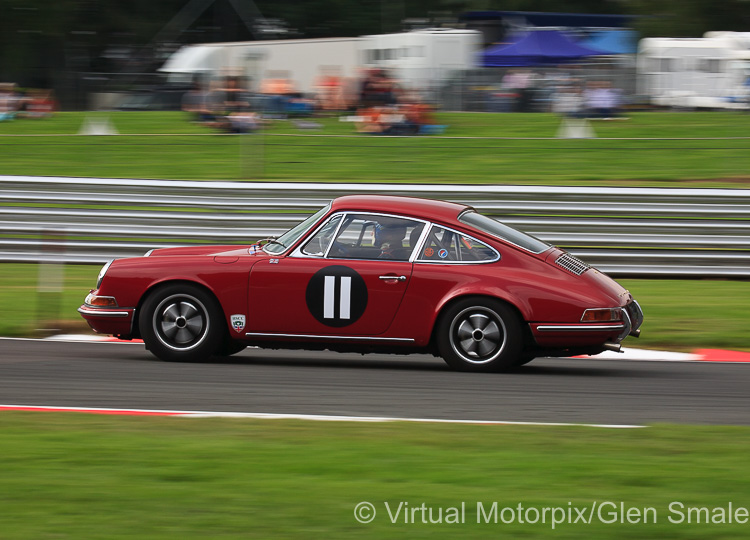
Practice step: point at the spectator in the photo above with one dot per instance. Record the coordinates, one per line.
(602, 101)
(204, 103)
(569, 102)
(329, 89)
(9, 102)
(40, 104)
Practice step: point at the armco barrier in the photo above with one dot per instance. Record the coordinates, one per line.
(622, 231)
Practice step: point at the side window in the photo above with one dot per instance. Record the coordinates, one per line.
(366, 236)
(319, 243)
(445, 245)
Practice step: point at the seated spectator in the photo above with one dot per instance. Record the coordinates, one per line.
(602, 101)
(40, 104)
(204, 103)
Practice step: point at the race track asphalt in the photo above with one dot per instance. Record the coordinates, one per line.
(125, 375)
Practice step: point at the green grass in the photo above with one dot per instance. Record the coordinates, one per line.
(190, 151)
(24, 308)
(81, 476)
(685, 315)
(681, 315)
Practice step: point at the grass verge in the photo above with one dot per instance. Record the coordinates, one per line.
(80, 476)
(174, 148)
(680, 314)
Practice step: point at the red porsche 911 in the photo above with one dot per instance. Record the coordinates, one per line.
(370, 273)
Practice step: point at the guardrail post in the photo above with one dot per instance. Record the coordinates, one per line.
(50, 284)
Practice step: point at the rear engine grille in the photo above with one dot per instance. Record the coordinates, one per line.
(571, 264)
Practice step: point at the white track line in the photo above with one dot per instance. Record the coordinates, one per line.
(315, 417)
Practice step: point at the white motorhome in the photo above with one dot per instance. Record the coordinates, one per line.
(421, 59)
(709, 72)
(300, 60)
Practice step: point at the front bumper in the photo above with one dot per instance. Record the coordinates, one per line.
(114, 321)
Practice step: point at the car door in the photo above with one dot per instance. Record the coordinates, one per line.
(345, 279)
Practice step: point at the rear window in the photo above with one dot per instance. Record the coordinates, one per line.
(509, 234)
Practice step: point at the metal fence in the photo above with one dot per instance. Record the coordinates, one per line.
(636, 231)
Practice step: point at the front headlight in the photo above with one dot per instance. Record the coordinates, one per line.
(102, 272)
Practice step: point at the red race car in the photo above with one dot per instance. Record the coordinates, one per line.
(370, 273)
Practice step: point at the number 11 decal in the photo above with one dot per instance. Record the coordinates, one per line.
(345, 297)
(336, 296)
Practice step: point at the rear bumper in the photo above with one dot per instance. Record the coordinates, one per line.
(590, 334)
(578, 335)
(114, 321)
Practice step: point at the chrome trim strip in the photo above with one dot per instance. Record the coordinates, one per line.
(340, 338)
(579, 328)
(333, 237)
(101, 313)
(298, 251)
(420, 241)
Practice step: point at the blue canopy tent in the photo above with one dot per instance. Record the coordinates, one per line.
(538, 47)
(613, 41)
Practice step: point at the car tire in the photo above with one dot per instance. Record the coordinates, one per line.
(182, 323)
(480, 334)
(524, 359)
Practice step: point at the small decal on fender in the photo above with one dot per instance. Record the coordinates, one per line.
(238, 322)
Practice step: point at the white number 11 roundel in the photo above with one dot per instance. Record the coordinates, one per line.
(336, 296)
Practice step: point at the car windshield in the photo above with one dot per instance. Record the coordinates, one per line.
(285, 241)
(509, 234)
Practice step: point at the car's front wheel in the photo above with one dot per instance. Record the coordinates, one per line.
(480, 334)
(181, 323)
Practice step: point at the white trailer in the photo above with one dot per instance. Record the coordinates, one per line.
(421, 59)
(300, 60)
(709, 72)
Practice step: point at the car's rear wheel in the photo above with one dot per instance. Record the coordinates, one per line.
(182, 323)
(480, 334)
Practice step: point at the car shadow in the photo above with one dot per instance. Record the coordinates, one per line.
(332, 359)
(421, 362)
(541, 367)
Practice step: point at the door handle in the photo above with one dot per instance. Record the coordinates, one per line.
(397, 278)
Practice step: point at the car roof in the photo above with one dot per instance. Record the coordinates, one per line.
(426, 209)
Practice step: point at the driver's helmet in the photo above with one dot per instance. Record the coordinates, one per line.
(390, 232)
